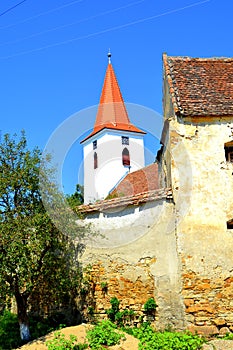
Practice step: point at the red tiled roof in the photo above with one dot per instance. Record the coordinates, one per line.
(200, 86)
(122, 202)
(142, 180)
(112, 113)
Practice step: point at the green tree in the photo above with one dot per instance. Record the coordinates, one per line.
(77, 198)
(36, 259)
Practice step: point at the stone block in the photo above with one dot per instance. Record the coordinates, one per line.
(219, 321)
(203, 330)
(188, 302)
(223, 331)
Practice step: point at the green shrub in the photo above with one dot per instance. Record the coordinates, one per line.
(121, 318)
(60, 343)
(151, 340)
(150, 306)
(9, 331)
(104, 333)
(40, 327)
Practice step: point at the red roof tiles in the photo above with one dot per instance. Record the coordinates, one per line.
(112, 113)
(142, 180)
(123, 202)
(200, 86)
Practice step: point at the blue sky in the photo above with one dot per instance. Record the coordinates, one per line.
(53, 57)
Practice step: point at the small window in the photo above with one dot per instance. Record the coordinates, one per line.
(230, 224)
(125, 157)
(95, 144)
(229, 151)
(95, 161)
(124, 140)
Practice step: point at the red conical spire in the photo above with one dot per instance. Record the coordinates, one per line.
(112, 113)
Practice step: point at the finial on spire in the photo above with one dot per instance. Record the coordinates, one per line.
(109, 56)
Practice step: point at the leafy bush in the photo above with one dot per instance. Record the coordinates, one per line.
(9, 331)
(104, 333)
(60, 343)
(151, 340)
(150, 305)
(121, 318)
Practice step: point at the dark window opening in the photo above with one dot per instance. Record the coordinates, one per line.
(124, 140)
(229, 151)
(95, 144)
(125, 157)
(230, 224)
(95, 161)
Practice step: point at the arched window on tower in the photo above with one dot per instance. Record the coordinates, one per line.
(95, 161)
(125, 157)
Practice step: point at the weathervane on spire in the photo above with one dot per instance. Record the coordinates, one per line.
(109, 56)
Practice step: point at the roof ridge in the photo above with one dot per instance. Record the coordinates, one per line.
(172, 84)
(214, 58)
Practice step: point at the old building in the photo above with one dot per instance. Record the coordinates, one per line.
(175, 241)
(197, 138)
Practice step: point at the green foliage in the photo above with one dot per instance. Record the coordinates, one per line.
(228, 336)
(77, 198)
(104, 333)
(150, 306)
(38, 263)
(114, 310)
(151, 340)
(60, 343)
(121, 318)
(104, 286)
(9, 331)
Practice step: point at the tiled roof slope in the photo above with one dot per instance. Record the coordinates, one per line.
(112, 113)
(123, 202)
(200, 86)
(143, 180)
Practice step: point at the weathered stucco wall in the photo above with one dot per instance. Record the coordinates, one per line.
(202, 183)
(140, 269)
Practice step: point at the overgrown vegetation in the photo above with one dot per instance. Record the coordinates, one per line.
(121, 318)
(152, 340)
(9, 332)
(150, 306)
(104, 333)
(59, 342)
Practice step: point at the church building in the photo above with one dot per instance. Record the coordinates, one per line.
(115, 147)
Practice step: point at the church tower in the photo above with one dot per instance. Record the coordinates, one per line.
(115, 147)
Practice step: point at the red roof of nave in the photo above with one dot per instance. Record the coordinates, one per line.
(139, 181)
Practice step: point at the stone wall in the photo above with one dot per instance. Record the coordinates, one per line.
(143, 268)
(202, 185)
(132, 284)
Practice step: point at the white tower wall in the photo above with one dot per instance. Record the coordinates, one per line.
(110, 170)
